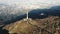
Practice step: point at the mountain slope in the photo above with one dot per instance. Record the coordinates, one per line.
(19, 27)
(47, 25)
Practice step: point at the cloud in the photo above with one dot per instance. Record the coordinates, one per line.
(32, 4)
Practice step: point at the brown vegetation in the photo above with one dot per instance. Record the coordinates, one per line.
(49, 25)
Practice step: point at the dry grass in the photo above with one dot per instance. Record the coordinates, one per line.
(49, 25)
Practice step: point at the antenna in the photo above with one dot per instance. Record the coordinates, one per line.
(27, 15)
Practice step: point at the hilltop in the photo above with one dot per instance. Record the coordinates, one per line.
(49, 25)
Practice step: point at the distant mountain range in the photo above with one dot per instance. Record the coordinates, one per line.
(53, 11)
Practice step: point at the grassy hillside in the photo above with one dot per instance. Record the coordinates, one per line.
(49, 25)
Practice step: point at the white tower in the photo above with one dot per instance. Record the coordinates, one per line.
(27, 15)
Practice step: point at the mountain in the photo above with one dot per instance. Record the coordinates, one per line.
(36, 13)
(40, 21)
(49, 25)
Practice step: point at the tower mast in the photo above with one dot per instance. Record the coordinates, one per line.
(27, 15)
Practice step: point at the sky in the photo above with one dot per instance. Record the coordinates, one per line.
(32, 4)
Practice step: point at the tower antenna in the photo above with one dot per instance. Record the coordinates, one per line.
(27, 15)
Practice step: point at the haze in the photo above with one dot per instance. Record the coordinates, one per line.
(32, 4)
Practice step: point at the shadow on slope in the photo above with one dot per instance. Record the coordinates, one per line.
(3, 31)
